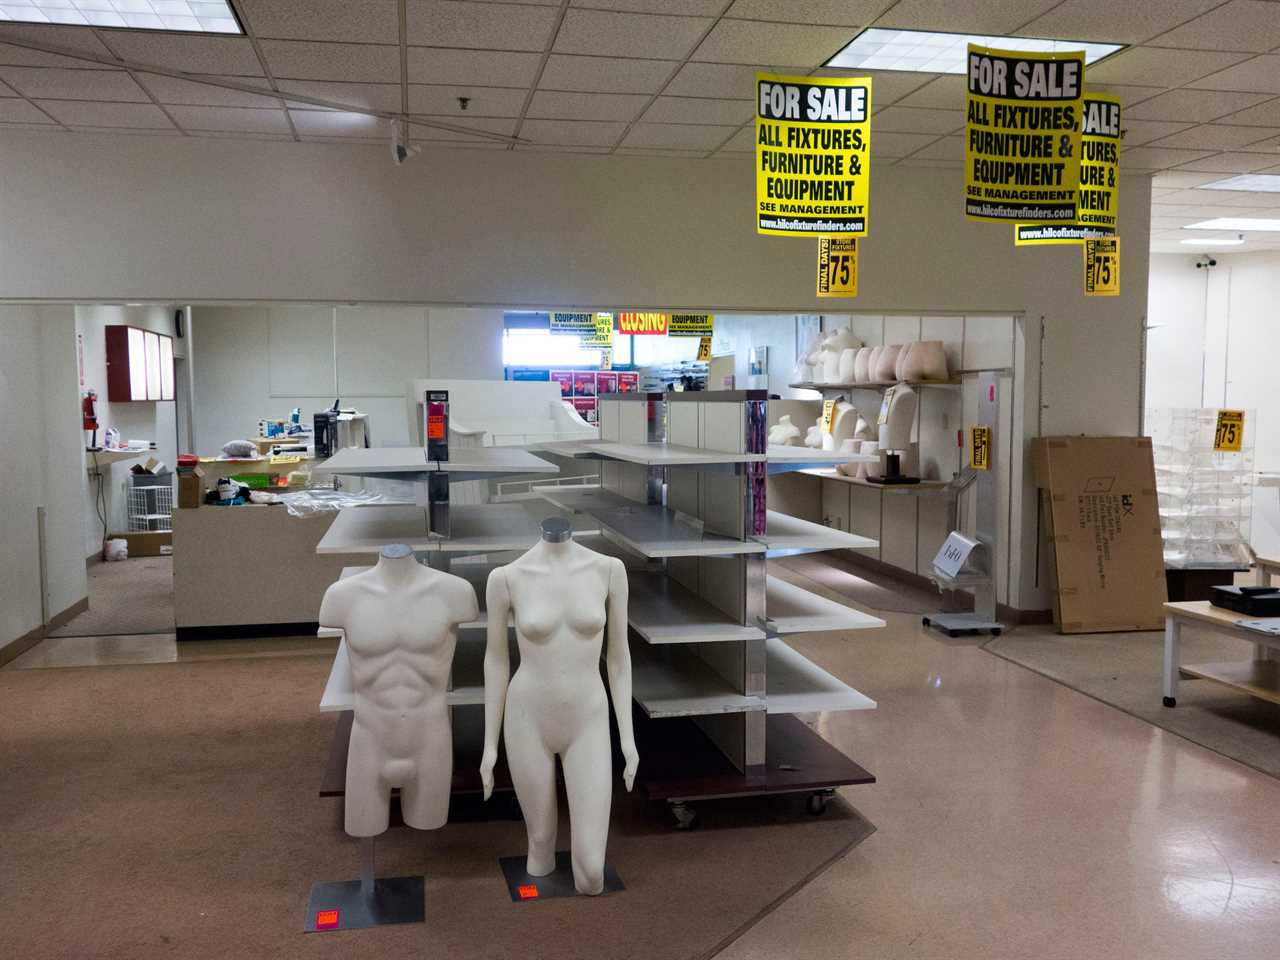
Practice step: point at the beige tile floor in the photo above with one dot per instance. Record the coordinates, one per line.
(1016, 819)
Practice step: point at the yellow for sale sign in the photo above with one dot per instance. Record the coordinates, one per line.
(813, 155)
(1022, 135)
(1102, 267)
(837, 267)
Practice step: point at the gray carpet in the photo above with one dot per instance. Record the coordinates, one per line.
(126, 597)
(1124, 671)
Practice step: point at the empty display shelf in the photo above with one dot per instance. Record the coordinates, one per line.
(795, 684)
(654, 531)
(683, 687)
(661, 611)
(785, 534)
(668, 454)
(793, 609)
(410, 463)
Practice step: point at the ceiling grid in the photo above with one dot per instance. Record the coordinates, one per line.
(1200, 79)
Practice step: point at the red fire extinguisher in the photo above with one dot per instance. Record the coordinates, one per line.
(89, 412)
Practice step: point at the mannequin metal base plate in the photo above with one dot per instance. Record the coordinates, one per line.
(558, 883)
(343, 905)
(955, 624)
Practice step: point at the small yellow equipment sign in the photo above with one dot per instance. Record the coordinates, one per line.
(813, 155)
(1229, 435)
(691, 325)
(980, 447)
(837, 267)
(1102, 267)
(1022, 135)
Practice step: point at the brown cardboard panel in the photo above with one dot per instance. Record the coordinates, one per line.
(1105, 532)
(146, 544)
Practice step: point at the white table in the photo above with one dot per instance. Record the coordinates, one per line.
(1259, 676)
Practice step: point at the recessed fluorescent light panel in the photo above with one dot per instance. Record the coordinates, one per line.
(1238, 224)
(186, 16)
(1212, 242)
(1251, 182)
(922, 51)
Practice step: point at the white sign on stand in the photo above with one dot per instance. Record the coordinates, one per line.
(954, 555)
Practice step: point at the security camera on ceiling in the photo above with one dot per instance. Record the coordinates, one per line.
(401, 150)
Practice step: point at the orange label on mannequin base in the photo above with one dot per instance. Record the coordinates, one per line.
(528, 891)
(327, 919)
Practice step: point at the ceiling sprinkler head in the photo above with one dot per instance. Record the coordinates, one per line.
(464, 102)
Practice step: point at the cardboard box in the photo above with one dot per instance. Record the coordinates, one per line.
(156, 543)
(1104, 524)
(190, 488)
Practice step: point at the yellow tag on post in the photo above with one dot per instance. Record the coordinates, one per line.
(885, 404)
(704, 349)
(1228, 437)
(828, 415)
(1102, 267)
(980, 447)
(837, 267)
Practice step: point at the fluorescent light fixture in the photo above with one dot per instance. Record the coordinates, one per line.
(183, 16)
(924, 51)
(1251, 182)
(1234, 223)
(1212, 241)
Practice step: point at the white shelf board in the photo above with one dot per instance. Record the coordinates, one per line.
(106, 457)
(474, 528)
(584, 499)
(655, 532)
(667, 454)
(795, 684)
(339, 689)
(783, 458)
(662, 611)
(792, 609)
(563, 448)
(785, 534)
(410, 463)
(875, 384)
(924, 486)
(689, 688)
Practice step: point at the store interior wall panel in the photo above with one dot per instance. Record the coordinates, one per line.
(937, 426)
(988, 342)
(835, 505)
(301, 352)
(683, 424)
(866, 517)
(684, 491)
(632, 424)
(722, 583)
(465, 343)
(722, 509)
(377, 348)
(900, 328)
(684, 571)
(932, 530)
(951, 331)
(609, 415)
(867, 327)
(898, 533)
(796, 495)
(723, 427)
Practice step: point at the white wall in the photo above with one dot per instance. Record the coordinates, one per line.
(1214, 345)
(41, 466)
(144, 420)
(257, 362)
(261, 222)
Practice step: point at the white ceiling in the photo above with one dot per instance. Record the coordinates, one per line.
(1200, 83)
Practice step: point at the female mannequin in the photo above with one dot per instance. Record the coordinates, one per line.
(886, 364)
(399, 621)
(564, 596)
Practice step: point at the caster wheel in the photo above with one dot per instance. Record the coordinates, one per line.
(953, 634)
(817, 803)
(924, 621)
(996, 632)
(1170, 701)
(686, 816)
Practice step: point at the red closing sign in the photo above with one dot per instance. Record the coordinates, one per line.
(643, 324)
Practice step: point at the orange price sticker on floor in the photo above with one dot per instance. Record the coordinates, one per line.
(1228, 436)
(527, 891)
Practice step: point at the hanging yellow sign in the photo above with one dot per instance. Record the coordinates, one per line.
(690, 325)
(1098, 202)
(601, 336)
(1022, 135)
(837, 267)
(980, 447)
(704, 349)
(1102, 267)
(1228, 436)
(813, 155)
(582, 324)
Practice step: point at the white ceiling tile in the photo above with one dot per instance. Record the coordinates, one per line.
(605, 33)
(699, 110)
(915, 120)
(605, 74)
(1252, 25)
(305, 60)
(230, 56)
(1217, 136)
(482, 101)
(1263, 115)
(423, 131)
(887, 86)
(7, 91)
(949, 149)
(990, 16)
(68, 38)
(1138, 132)
(337, 123)
(1259, 74)
(55, 83)
(845, 13)
(1232, 163)
(899, 144)
(725, 80)
(1157, 158)
(238, 135)
(448, 23)
(472, 67)
(567, 149)
(172, 90)
(1148, 66)
(573, 133)
(559, 105)
(1181, 179)
(1129, 95)
(369, 96)
(230, 119)
(19, 111)
(941, 93)
(677, 136)
(170, 131)
(1199, 106)
(1238, 199)
(80, 113)
(1270, 144)
(1109, 22)
(350, 21)
(1181, 198)
(659, 152)
(752, 41)
(744, 140)
(699, 8)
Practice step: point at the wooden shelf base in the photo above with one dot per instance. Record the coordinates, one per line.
(1258, 678)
